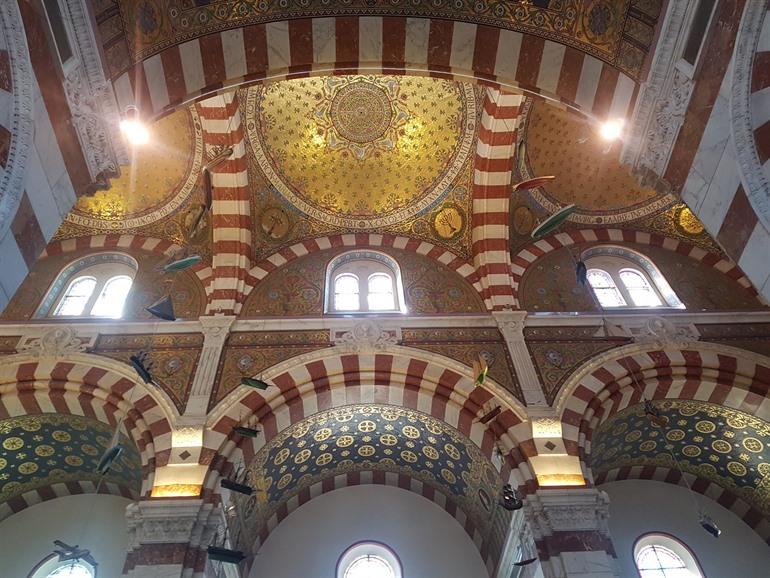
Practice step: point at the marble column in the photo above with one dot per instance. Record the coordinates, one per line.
(168, 538)
(570, 530)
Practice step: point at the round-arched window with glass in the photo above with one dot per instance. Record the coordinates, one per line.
(52, 567)
(663, 556)
(369, 560)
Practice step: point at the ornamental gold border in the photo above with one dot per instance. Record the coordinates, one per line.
(461, 154)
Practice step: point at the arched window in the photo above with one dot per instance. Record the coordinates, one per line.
(52, 567)
(94, 286)
(619, 277)
(76, 296)
(346, 292)
(364, 282)
(605, 289)
(369, 560)
(663, 556)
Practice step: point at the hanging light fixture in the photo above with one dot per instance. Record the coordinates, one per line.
(612, 129)
(133, 128)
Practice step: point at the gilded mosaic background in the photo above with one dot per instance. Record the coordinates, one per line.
(174, 358)
(39, 450)
(550, 285)
(297, 288)
(149, 285)
(248, 354)
(371, 438)
(722, 445)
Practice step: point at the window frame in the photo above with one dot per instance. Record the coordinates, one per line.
(613, 260)
(104, 267)
(672, 543)
(363, 265)
(71, 62)
(368, 548)
(687, 68)
(66, 294)
(51, 562)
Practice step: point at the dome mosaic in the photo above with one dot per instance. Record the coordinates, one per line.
(161, 177)
(722, 445)
(380, 149)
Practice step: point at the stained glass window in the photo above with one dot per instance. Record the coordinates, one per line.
(640, 290)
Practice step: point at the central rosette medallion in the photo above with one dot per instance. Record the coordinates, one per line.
(362, 151)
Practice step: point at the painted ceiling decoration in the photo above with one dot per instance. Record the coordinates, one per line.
(159, 181)
(40, 450)
(716, 443)
(619, 32)
(371, 438)
(381, 149)
(587, 173)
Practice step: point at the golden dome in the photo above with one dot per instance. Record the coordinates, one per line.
(361, 151)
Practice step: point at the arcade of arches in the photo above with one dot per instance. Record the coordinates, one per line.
(268, 286)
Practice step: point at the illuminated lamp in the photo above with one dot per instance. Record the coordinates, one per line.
(133, 128)
(611, 129)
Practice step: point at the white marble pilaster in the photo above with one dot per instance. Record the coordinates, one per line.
(511, 325)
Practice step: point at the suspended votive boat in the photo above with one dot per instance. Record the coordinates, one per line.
(554, 221)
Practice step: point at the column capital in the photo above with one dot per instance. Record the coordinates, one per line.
(574, 510)
(216, 326)
(511, 324)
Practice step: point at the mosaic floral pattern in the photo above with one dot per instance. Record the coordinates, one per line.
(722, 445)
(371, 438)
(40, 450)
(380, 149)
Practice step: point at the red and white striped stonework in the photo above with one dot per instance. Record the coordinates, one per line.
(380, 478)
(709, 373)
(374, 44)
(93, 387)
(525, 257)
(364, 240)
(724, 497)
(494, 161)
(231, 211)
(111, 242)
(719, 162)
(326, 379)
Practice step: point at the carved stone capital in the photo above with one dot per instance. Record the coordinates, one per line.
(511, 324)
(169, 522)
(215, 328)
(366, 335)
(578, 510)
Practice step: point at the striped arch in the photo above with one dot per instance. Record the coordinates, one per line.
(392, 479)
(124, 242)
(95, 387)
(399, 376)
(231, 212)
(528, 255)
(707, 372)
(461, 51)
(494, 161)
(360, 240)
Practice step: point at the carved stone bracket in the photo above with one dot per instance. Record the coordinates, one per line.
(578, 510)
(215, 331)
(91, 98)
(662, 333)
(366, 335)
(55, 343)
(511, 325)
(663, 99)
